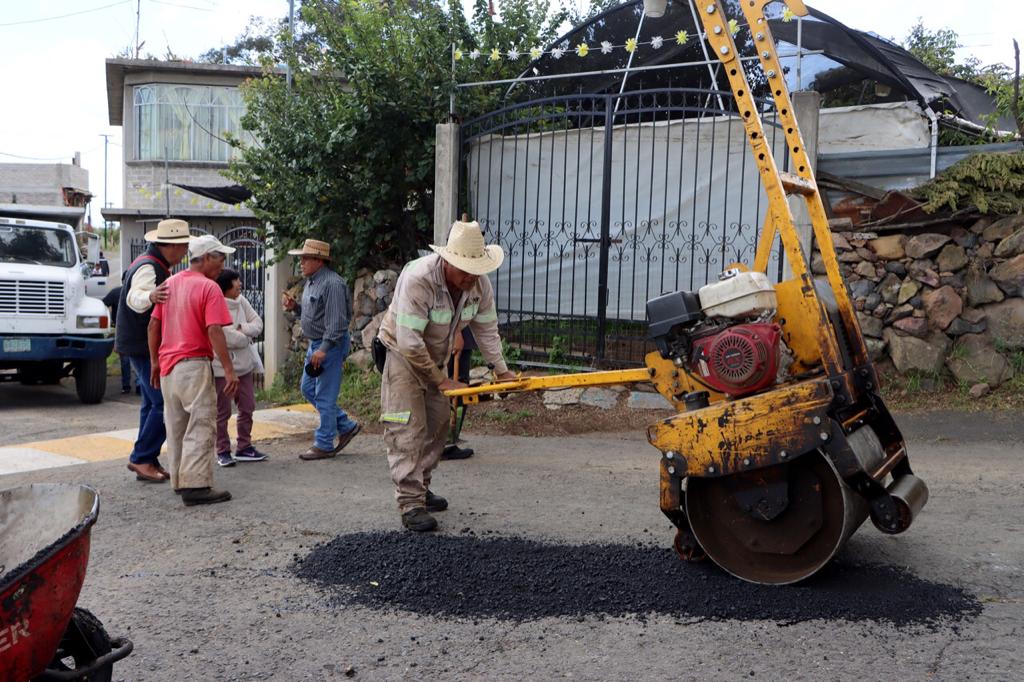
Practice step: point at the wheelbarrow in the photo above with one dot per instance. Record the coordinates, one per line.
(44, 549)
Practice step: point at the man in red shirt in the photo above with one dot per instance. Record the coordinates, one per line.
(184, 333)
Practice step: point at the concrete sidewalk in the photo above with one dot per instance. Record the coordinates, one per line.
(109, 445)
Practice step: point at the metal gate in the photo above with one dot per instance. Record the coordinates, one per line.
(602, 202)
(249, 260)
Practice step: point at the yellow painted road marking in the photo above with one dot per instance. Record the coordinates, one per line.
(94, 448)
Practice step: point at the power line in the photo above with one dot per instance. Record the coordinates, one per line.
(37, 158)
(64, 16)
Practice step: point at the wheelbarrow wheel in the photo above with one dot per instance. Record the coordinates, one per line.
(83, 642)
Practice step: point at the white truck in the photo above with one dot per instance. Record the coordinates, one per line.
(49, 327)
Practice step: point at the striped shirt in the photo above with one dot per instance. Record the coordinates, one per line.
(326, 308)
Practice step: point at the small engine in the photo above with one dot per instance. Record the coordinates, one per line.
(741, 359)
(722, 335)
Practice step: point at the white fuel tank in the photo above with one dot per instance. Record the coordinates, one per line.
(738, 294)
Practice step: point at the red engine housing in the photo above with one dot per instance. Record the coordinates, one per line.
(739, 360)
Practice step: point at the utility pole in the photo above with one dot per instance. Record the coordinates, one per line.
(106, 141)
(138, 19)
(291, 36)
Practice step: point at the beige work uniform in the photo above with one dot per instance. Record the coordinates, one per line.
(190, 414)
(418, 330)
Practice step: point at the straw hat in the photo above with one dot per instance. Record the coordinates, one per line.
(313, 247)
(171, 231)
(466, 250)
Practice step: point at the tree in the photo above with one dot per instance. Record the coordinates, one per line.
(937, 50)
(347, 154)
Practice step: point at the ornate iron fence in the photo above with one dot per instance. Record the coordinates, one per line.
(604, 201)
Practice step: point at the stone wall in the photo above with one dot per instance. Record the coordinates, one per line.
(944, 299)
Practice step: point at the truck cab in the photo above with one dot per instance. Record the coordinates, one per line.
(49, 327)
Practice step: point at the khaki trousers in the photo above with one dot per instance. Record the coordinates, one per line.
(415, 429)
(190, 414)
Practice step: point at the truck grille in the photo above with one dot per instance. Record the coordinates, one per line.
(20, 297)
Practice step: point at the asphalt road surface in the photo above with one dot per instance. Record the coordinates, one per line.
(31, 413)
(213, 594)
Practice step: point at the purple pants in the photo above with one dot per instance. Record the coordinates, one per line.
(246, 401)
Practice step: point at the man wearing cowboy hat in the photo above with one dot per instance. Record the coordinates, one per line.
(143, 287)
(324, 312)
(436, 297)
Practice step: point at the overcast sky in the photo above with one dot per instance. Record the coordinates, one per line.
(54, 82)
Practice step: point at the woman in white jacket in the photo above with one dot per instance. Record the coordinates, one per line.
(246, 327)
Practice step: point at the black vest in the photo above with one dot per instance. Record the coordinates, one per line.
(132, 333)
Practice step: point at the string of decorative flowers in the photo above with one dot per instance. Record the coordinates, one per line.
(681, 37)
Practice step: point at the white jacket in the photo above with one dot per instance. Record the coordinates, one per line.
(245, 327)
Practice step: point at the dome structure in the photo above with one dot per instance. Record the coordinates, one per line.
(818, 53)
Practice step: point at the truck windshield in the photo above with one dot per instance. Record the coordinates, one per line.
(38, 245)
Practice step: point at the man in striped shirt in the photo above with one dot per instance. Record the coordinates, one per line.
(436, 297)
(324, 312)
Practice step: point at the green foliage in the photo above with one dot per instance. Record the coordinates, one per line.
(992, 182)
(360, 393)
(558, 352)
(937, 50)
(347, 154)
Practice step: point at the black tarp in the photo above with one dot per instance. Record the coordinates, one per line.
(849, 56)
(228, 194)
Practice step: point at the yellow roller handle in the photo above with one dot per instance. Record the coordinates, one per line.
(608, 378)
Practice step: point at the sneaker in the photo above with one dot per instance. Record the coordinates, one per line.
(225, 460)
(419, 520)
(455, 452)
(194, 496)
(436, 503)
(249, 454)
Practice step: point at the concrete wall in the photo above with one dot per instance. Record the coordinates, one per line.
(39, 183)
(146, 184)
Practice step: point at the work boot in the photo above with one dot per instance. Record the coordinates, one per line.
(419, 520)
(436, 503)
(194, 496)
(455, 452)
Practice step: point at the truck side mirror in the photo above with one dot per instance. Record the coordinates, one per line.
(92, 247)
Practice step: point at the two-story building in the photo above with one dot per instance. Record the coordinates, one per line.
(175, 119)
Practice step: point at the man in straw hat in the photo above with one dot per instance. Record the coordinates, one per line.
(143, 287)
(436, 297)
(184, 333)
(325, 311)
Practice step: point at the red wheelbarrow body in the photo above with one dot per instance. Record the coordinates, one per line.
(44, 550)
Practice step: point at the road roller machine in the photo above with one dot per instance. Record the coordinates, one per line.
(782, 446)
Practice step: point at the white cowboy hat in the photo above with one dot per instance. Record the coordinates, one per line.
(466, 250)
(313, 247)
(171, 231)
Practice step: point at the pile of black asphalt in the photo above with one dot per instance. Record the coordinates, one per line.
(513, 578)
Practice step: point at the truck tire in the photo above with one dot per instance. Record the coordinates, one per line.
(91, 380)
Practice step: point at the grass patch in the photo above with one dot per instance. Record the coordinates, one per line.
(924, 392)
(360, 394)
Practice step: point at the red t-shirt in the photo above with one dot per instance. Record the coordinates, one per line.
(194, 303)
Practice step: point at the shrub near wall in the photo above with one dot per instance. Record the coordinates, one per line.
(948, 300)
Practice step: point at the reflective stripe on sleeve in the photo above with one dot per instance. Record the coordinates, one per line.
(490, 316)
(411, 321)
(395, 417)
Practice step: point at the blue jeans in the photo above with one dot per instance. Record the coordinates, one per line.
(151, 416)
(126, 373)
(322, 393)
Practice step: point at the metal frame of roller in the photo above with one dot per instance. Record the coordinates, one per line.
(771, 485)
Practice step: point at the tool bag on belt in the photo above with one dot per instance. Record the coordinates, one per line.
(379, 352)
